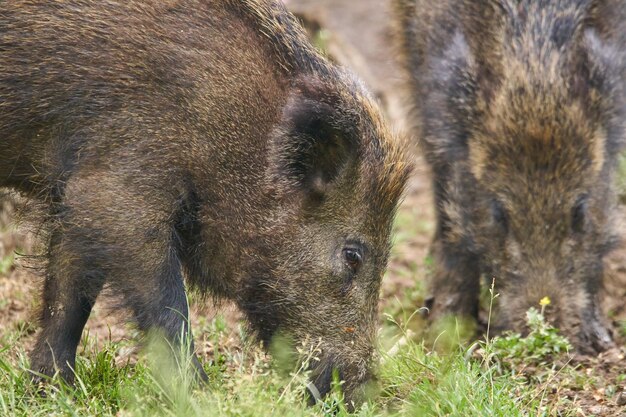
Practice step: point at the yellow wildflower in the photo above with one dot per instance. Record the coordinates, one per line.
(544, 301)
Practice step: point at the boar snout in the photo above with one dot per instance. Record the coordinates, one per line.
(356, 380)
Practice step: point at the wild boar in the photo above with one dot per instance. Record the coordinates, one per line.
(519, 106)
(204, 142)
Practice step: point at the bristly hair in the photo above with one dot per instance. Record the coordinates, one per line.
(543, 28)
(286, 34)
(296, 55)
(388, 187)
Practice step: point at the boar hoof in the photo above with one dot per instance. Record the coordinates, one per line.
(595, 338)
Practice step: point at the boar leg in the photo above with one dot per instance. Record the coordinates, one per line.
(594, 336)
(147, 267)
(162, 307)
(68, 296)
(455, 285)
(123, 234)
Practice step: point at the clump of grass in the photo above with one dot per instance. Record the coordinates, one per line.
(456, 380)
(99, 389)
(421, 382)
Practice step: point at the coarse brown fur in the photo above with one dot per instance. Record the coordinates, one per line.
(519, 106)
(204, 140)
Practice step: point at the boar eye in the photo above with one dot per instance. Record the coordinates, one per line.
(353, 258)
(579, 213)
(499, 214)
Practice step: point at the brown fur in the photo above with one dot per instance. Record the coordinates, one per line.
(520, 109)
(198, 139)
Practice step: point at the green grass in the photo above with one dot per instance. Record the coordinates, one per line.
(414, 380)
(426, 383)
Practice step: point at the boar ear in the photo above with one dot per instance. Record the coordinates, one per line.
(602, 66)
(601, 63)
(451, 86)
(312, 146)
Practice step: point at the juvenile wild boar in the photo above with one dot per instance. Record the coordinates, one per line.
(519, 106)
(204, 140)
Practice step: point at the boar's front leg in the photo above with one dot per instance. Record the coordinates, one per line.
(113, 229)
(70, 290)
(455, 285)
(159, 304)
(147, 268)
(594, 335)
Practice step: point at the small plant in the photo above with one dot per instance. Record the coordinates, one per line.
(542, 344)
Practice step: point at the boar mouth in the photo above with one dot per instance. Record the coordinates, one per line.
(325, 374)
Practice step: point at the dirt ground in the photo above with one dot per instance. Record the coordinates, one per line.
(356, 34)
